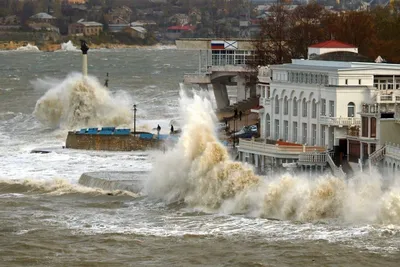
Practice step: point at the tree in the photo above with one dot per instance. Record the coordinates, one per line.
(305, 28)
(272, 46)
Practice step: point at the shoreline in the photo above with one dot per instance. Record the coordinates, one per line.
(51, 47)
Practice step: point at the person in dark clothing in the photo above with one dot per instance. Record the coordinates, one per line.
(235, 113)
(240, 115)
(172, 128)
(158, 128)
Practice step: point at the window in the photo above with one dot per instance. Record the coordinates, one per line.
(286, 106)
(322, 135)
(294, 137)
(323, 107)
(364, 126)
(331, 108)
(286, 130)
(304, 133)
(350, 109)
(314, 109)
(304, 104)
(276, 129)
(373, 127)
(314, 134)
(276, 105)
(268, 127)
(295, 106)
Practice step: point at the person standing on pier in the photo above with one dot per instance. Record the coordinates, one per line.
(158, 129)
(172, 129)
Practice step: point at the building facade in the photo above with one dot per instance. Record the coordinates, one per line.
(85, 28)
(320, 103)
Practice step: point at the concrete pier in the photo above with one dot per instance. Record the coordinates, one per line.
(110, 181)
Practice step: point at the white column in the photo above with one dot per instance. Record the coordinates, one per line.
(84, 65)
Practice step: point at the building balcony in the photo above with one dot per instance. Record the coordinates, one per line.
(340, 121)
(259, 146)
(387, 98)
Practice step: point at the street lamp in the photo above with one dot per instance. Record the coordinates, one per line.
(134, 119)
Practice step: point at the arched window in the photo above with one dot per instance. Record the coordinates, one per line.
(314, 109)
(304, 104)
(268, 127)
(351, 109)
(285, 106)
(276, 105)
(295, 106)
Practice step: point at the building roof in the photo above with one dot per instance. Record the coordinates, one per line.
(182, 28)
(90, 23)
(139, 29)
(343, 56)
(42, 15)
(332, 44)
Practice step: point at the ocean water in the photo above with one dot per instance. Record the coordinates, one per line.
(198, 207)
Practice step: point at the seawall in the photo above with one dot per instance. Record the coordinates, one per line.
(111, 142)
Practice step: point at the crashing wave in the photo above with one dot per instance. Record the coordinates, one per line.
(28, 47)
(199, 172)
(79, 101)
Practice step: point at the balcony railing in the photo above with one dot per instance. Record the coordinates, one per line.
(262, 147)
(340, 121)
(387, 98)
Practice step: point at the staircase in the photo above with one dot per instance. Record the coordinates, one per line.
(376, 157)
(337, 171)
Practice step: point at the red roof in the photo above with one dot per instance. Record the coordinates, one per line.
(332, 44)
(182, 28)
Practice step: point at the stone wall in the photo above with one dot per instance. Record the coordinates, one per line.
(111, 142)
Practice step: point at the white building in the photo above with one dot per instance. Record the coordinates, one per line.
(314, 102)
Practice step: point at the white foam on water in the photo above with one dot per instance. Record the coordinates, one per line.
(28, 48)
(69, 46)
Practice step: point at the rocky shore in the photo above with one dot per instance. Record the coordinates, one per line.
(51, 47)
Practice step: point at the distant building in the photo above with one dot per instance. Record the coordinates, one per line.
(136, 32)
(148, 24)
(43, 17)
(85, 28)
(117, 27)
(175, 32)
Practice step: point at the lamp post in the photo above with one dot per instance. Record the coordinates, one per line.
(134, 119)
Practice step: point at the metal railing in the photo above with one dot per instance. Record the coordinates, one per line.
(340, 121)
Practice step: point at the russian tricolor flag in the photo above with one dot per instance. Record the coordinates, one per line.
(217, 45)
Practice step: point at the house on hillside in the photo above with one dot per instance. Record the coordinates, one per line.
(120, 15)
(136, 32)
(85, 28)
